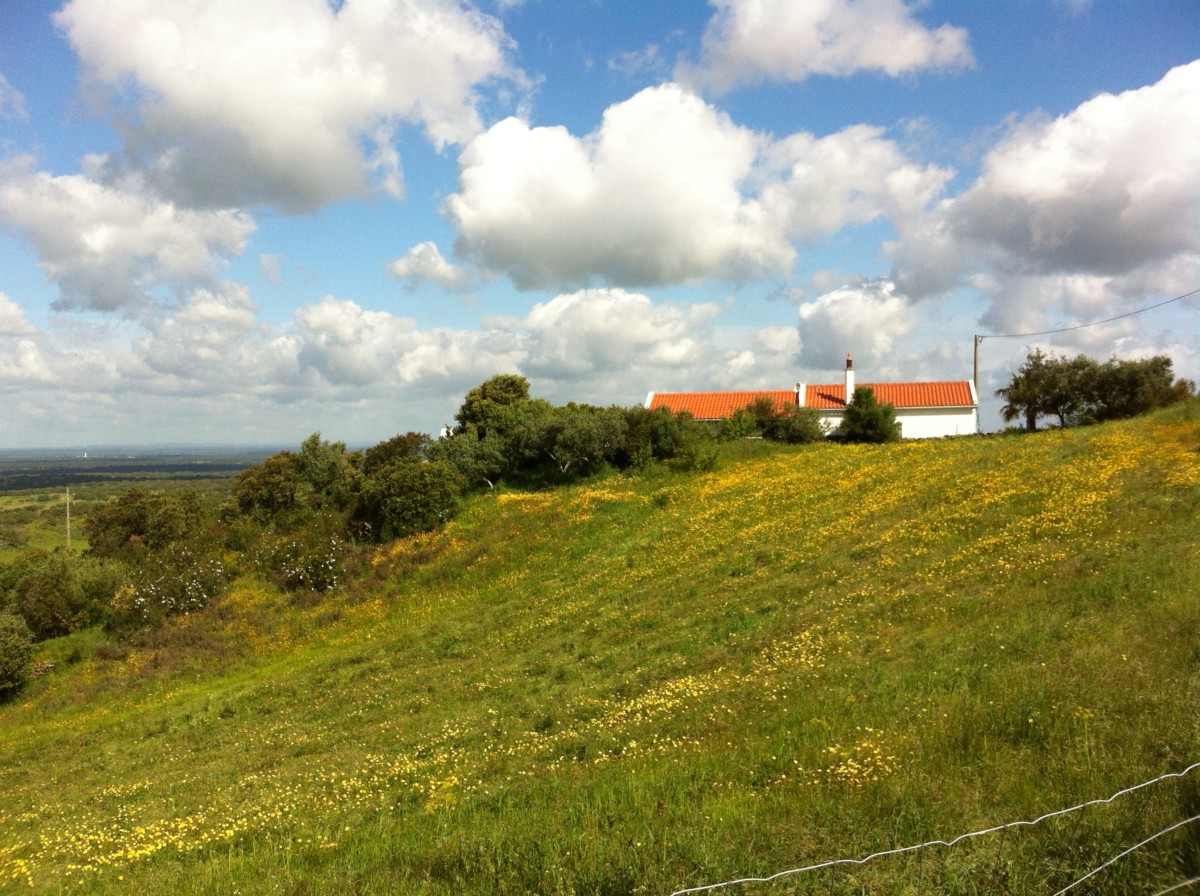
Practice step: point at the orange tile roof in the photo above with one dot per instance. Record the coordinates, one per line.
(717, 405)
(955, 394)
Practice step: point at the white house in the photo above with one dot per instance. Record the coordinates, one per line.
(923, 410)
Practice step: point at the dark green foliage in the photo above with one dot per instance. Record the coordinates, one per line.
(1128, 388)
(410, 446)
(270, 489)
(405, 498)
(794, 426)
(481, 404)
(580, 439)
(480, 460)
(1081, 390)
(142, 519)
(57, 592)
(742, 424)
(328, 471)
(659, 435)
(866, 420)
(16, 652)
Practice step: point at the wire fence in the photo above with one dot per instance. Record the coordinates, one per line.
(995, 829)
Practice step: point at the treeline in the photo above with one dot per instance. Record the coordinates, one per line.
(300, 519)
(1081, 390)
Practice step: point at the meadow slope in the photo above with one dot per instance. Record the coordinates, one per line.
(653, 682)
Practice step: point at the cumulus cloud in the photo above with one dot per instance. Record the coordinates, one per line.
(602, 331)
(110, 248)
(423, 263)
(667, 190)
(1076, 214)
(12, 102)
(1103, 189)
(863, 320)
(351, 346)
(12, 318)
(750, 41)
(24, 365)
(273, 101)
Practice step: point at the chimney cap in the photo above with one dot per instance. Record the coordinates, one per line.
(849, 362)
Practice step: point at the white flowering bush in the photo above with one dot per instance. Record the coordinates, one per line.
(310, 559)
(182, 581)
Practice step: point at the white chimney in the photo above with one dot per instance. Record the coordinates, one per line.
(849, 378)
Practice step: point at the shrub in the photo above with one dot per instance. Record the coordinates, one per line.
(866, 420)
(795, 426)
(57, 592)
(183, 581)
(269, 489)
(16, 653)
(405, 498)
(310, 559)
(740, 425)
(143, 519)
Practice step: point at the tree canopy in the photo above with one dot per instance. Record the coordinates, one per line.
(1082, 390)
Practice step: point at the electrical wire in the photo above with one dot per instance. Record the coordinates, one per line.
(1094, 323)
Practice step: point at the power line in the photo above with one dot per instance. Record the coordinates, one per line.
(1095, 323)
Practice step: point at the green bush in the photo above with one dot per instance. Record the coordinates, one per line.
(740, 425)
(181, 581)
(143, 519)
(57, 592)
(405, 498)
(312, 558)
(269, 489)
(866, 420)
(795, 426)
(16, 652)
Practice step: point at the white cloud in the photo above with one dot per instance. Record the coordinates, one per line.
(1104, 189)
(668, 190)
(353, 347)
(12, 318)
(813, 187)
(750, 41)
(112, 248)
(865, 321)
(12, 102)
(23, 365)
(1079, 216)
(423, 263)
(606, 331)
(272, 101)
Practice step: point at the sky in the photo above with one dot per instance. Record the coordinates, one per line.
(231, 223)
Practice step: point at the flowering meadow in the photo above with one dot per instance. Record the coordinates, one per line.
(666, 680)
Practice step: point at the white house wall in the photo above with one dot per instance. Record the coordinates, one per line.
(920, 423)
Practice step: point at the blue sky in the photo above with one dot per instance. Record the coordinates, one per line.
(224, 222)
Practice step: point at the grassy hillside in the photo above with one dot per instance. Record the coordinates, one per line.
(650, 683)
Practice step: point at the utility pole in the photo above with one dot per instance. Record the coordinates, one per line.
(68, 519)
(978, 339)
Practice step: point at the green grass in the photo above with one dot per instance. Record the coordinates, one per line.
(646, 683)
